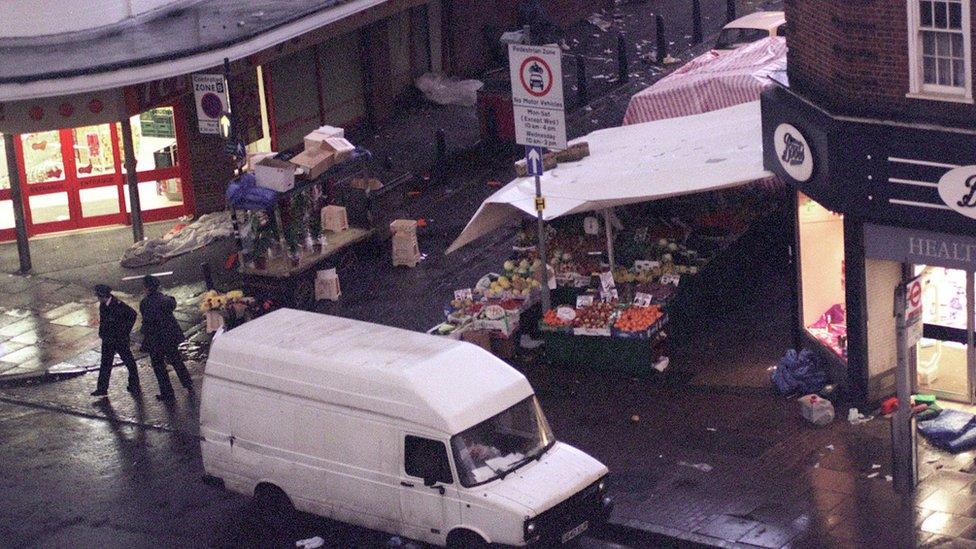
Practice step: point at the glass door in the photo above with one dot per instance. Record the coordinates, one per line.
(50, 205)
(944, 359)
(97, 168)
(158, 164)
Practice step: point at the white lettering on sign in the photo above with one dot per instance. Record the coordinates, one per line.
(463, 294)
(940, 249)
(642, 299)
(210, 95)
(537, 95)
(672, 279)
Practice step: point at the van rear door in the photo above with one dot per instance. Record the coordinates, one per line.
(428, 494)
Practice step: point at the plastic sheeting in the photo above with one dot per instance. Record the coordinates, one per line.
(196, 235)
(445, 90)
(799, 373)
(637, 163)
(710, 82)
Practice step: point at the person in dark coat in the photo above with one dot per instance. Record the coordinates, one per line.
(533, 14)
(115, 321)
(161, 337)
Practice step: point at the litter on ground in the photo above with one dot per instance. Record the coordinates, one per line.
(703, 467)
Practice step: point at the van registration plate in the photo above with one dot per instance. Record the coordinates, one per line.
(576, 531)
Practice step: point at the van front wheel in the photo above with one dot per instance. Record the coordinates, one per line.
(465, 539)
(273, 507)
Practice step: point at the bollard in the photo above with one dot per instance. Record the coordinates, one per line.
(582, 94)
(729, 11)
(623, 70)
(441, 144)
(696, 22)
(207, 275)
(662, 40)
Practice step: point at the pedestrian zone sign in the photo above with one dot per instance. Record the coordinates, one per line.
(537, 95)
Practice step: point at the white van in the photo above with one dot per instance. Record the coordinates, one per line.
(424, 437)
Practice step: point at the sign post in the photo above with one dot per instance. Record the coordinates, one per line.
(540, 123)
(210, 96)
(908, 325)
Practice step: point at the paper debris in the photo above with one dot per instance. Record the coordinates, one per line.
(830, 447)
(703, 467)
(712, 429)
(888, 478)
(872, 475)
(599, 22)
(310, 543)
(855, 417)
(875, 466)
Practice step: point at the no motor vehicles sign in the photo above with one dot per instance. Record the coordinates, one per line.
(537, 95)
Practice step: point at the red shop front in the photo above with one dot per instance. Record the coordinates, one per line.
(74, 178)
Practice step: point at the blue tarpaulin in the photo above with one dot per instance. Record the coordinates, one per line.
(799, 373)
(244, 194)
(952, 430)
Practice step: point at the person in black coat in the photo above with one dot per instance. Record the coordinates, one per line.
(115, 321)
(161, 337)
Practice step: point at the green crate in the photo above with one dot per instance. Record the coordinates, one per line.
(631, 356)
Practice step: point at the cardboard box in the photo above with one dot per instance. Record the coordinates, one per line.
(371, 184)
(404, 243)
(254, 157)
(334, 218)
(327, 285)
(342, 148)
(314, 162)
(275, 174)
(404, 226)
(331, 131)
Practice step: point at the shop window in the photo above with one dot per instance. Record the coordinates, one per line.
(154, 195)
(6, 214)
(824, 308)
(4, 176)
(939, 47)
(154, 140)
(98, 201)
(42, 156)
(49, 208)
(93, 150)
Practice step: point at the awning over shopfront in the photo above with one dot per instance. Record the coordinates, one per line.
(637, 163)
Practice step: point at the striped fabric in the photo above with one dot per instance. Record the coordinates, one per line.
(710, 82)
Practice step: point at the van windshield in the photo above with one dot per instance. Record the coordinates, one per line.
(502, 443)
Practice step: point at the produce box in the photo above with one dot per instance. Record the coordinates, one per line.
(448, 330)
(315, 161)
(595, 332)
(627, 356)
(275, 174)
(558, 329)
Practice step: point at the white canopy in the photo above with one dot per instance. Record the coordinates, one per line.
(637, 163)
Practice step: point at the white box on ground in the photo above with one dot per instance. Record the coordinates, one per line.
(275, 174)
(537, 95)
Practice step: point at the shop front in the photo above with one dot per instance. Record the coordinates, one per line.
(75, 178)
(877, 204)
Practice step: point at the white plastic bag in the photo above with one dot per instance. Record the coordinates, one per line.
(445, 90)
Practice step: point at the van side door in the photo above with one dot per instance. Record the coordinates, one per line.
(428, 494)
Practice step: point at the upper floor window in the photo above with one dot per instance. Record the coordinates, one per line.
(939, 49)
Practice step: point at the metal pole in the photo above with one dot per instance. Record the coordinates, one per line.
(16, 196)
(544, 271)
(130, 176)
(729, 11)
(661, 49)
(582, 93)
(606, 222)
(235, 223)
(696, 22)
(902, 435)
(623, 69)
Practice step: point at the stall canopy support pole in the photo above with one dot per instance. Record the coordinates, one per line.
(135, 209)
(544, 271)
(20, 221)
(237, 167)
(606, 222)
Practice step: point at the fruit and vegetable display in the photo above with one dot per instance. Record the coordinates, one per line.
(638, 319)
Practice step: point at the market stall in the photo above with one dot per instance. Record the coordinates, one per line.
(630, 227)
(291, 223)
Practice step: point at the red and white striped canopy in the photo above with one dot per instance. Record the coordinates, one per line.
(710, 82)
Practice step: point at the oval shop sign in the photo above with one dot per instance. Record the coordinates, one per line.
(793, 152)
(958, 190)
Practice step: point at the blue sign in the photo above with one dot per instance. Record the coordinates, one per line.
(533, 160)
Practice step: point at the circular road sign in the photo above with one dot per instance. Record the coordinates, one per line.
(915, 294)
(212, 105)
(536, 76)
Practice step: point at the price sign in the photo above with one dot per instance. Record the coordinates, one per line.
(609, 295)
(645, 265)
(584, 301)
(672, 279)
(606, 281)
(642, 299)
(463, 294)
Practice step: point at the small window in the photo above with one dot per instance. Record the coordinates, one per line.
(939, 49)
(426, 459)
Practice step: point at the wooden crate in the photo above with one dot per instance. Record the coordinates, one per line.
(334, 218)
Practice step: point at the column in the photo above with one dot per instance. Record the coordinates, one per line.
(130, 176)
(20, 222)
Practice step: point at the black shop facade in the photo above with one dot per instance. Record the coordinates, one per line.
(877, 203)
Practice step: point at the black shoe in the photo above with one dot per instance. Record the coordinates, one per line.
(99, 393)
(166, 398)
(133, 388)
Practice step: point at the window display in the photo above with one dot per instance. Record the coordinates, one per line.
(4, 177)
(822, 273)
(42, 156)
(93, 151)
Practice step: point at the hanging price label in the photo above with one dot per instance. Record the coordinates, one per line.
(584, 301)
(646, 265)
(609, 295)
(672, 279)
(642, 299)
(606, 281)
(463, 294)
